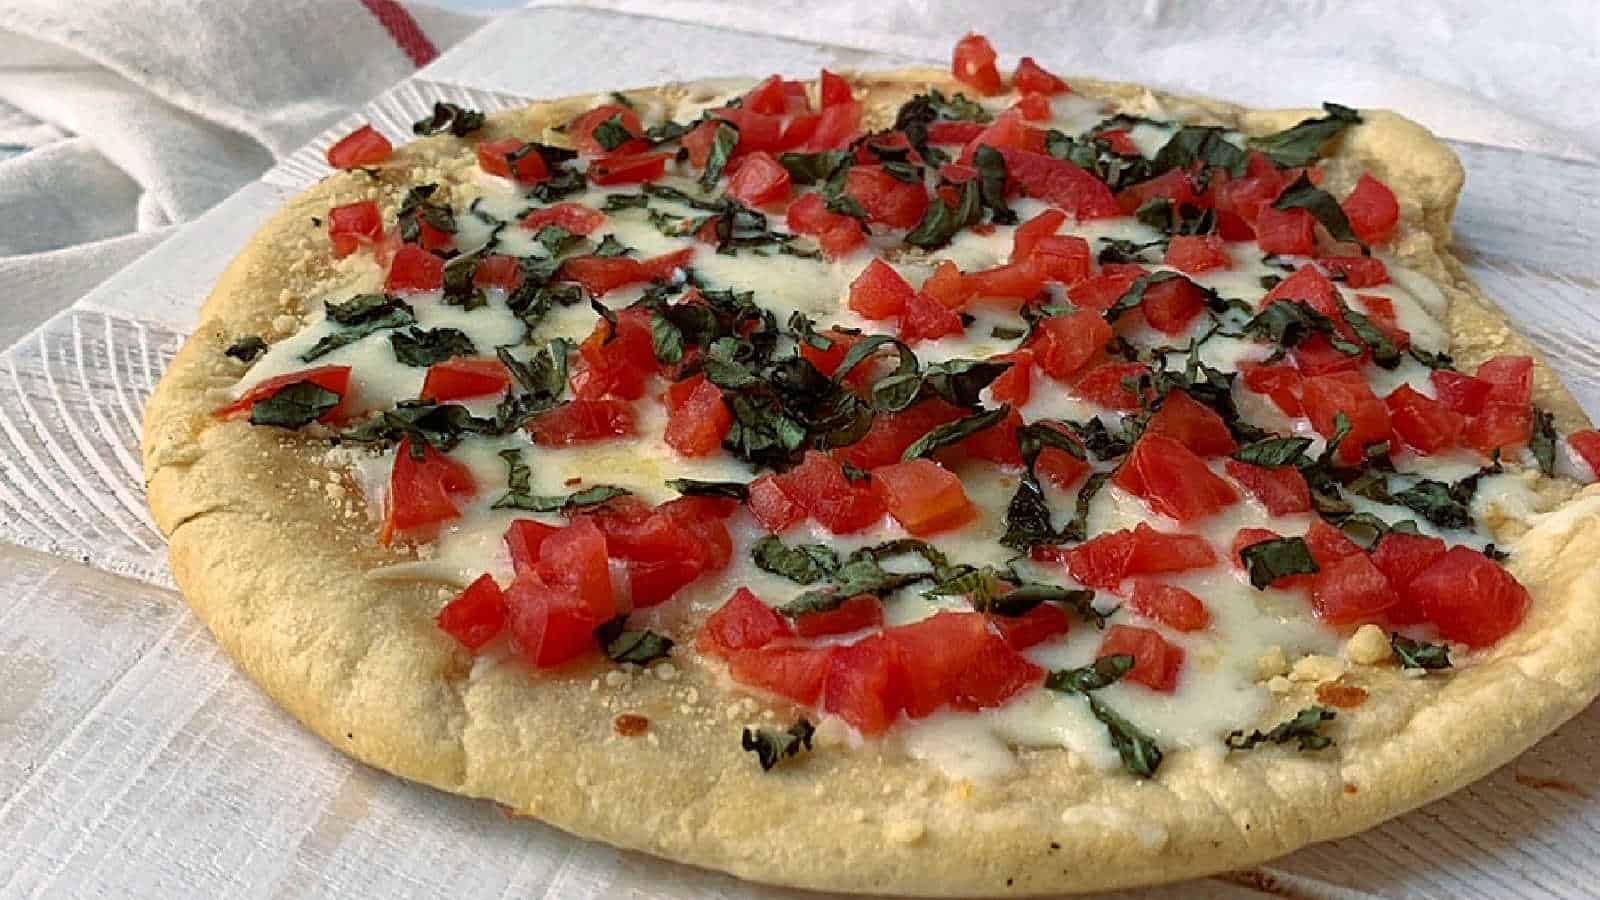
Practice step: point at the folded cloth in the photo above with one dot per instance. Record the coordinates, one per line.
(122, 118)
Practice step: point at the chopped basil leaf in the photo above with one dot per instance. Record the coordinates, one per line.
(722, 144)
(691, 487)
(952, 433)
(667, 339)
(519, 495)
(1437, 502)
(446, 116)
(1430, 359)
(421, 349)
(802, 563)
(246, 349)
(1305, 195)
(612, 134)
(1274, 452)
(1203, 144)
(1277, 558)
(1121, 250)
(941, 222)
(294, 405)
(610, 248)
(1134, 295)
(1302, 729)
(1543, 443)
(772, 747)
(1078, 528)
(815, 168)
(991, 166)
(1301, 144)
(1385, 355)
(1103, 672)
(960, 381)
(638, 647)
(416, 209)
(361, 315)
(1028, 517)
(1172, 218)
(1419, 654)
(1139, 752)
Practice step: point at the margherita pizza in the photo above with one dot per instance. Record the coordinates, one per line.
(911, 482)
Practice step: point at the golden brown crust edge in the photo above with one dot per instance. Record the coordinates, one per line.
(275, 569)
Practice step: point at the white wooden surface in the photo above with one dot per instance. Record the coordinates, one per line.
(135, 761)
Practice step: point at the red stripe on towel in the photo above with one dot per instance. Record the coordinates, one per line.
(404, 29)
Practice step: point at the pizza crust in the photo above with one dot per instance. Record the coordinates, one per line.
(271, 547)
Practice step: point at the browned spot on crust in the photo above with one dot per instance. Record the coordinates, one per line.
(1549, 784)
(1350, 787)
(1344, 696)
(630, 725)
(572, 481)
(1257, 880)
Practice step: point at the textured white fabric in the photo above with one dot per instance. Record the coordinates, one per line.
(121, 118)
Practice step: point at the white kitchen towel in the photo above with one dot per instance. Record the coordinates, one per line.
(122, 118)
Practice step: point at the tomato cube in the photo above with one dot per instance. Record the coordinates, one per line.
(697, 427)
(1198, 253)
(1192, 424)
(574, 217)
(1169, 604)
(494, 157)
(1401, 558)
(422, 490)
(925, 319)
(1426, 425)
(1287, 232)
(359, 149)
(352, 225)
(771, 506)
(1372, 210)
(866, 685)
(887, 199)
(1470, 597)
(1156, 663)
(1351, 590)
(880, 292)
(795, 673)
(524, 538)
(973, 64)
(1030, 77)
(854, 614)
(1035, 626)
(819, 485)
(1462, 393)
(1173, 480)
(414, 269)
(923, 496)
(458, 379)
(477, 615)
(583, 421)
(760, 181)
(1066, 344)
(1326, 396)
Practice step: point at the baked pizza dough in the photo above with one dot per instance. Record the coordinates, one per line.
(273, 545)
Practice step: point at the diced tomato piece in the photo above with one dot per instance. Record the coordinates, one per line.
(891, 433)
(1426, 425)
(1510, 379)
(1171, 306)
(698, 426)
(1121, 142)
(359, 149)
(679, 392)
(1372, 210)
(1325, 396)
(955, 659)
(1500, 426)
(550, 623)
(1586, 444)
(1028, 234)
(494, 157)
(771, 506)
(887, 199)
(761, 180)
(1113, 385)
(329, 378)
(998, 443)
(423, 492)
(1062, 468)
(828, 359)
(1105, 560)
(1357, 271)
(1173, 480)
(574, 217)
(476, 615)
(1061, 184)
(1009, 130)
(1176, 185)
(1033, 107)
(1198, 253)
(498, 271)
(1328, 544)
(1282, 490)
(925, 319)
(923, 496)
(602, 274)
(858, 612)
(837, 126)
(1066, 344)
(414, 269)
(616, 365)
(1470, 597)
(524, 538)
(1030, 77)
(1316, 355)
(947, 286)
(1169, 604)
(1156, 663)
(837, 233)
(1401, 558)
(880, 292)
(576, 556)
(583, 421)
(1017, 280)
(1381, 311)
(973, 64)
(1462, 393)
(795, 673)
(1101, 292)
(352, 225)
(1192, 424)
(1249, 537)
(819, 485)
(459, 378)
(630, 168)
(1289, 232)
(1279, 381)
(766, 97)
(1035, 626)
(946, 132)
(699, 141)
(745, 622)
(1014, 385)
(431, 238)
(757, 131)
(866, 684)
(655, 582)
(582, 129)
(835, 90)
(1351, 591)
